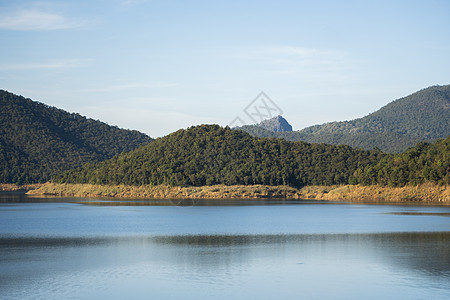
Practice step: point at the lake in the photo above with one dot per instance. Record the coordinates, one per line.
(78, 248)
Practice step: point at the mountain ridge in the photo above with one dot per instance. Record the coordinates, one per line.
(38, 141)
(400, 124)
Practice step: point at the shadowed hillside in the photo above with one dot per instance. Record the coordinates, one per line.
(38, 141)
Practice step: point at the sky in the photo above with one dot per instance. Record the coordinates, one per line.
(158, 66)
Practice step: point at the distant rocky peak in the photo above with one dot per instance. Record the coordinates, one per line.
(276, 124)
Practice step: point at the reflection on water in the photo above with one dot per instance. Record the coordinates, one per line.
(395, 265)
(21, 198)
(410, 213)
(64, 249)
(428, 252)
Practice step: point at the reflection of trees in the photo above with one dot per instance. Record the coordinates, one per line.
(184, 202)
(425, 252)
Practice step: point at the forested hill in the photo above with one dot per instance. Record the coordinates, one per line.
(422, 116)
(210, 154)
(37, 140)
(422, 163)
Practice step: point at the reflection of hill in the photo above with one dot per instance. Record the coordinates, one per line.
(426, 253)
(423, 252)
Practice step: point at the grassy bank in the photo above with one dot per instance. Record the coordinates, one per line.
(163, 191)
(425, 193)
(9, 187)
(428, 193)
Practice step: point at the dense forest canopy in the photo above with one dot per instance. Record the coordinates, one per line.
(422, 116)
(422, 163)
(210, 154)
(38, 141)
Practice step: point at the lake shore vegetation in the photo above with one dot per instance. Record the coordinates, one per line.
(421, 194)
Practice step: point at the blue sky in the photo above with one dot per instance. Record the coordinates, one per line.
(158, 66)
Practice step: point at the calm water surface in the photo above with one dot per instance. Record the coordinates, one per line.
(59, 248)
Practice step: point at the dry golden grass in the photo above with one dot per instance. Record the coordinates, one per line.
(421, 193)
(9, 187)
(427, 193)
(162, 191)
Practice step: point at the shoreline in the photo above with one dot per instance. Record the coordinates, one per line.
(430, 194)
(10, 188)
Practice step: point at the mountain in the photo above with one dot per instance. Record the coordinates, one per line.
(276, 124)
(422, 116)
(210, 154)
(38, 141)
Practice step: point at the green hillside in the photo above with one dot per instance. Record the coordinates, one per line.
(37, 140)
(422, 116)
(422, 163)
(210, 154)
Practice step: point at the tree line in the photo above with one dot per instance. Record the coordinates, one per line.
(210, 154)
(426, 162)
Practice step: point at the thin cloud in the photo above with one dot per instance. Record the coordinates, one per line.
(46, 65)
(131, 85)
(297, 55)
(35, 19)
(132, 2)
(305, 63)
(293, 51)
